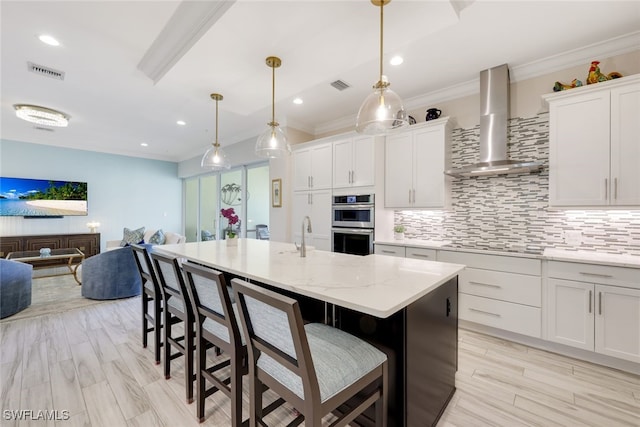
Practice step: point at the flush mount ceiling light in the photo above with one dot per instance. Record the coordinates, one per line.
(41, 115)
(214, 158)
(272, 142)
(382, 111)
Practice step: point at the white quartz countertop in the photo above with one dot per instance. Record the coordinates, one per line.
(375, 284)
(617, 260)
(554, 254)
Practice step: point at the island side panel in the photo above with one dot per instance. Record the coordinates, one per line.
(431, 354)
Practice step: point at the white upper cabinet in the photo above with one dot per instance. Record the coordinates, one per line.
(353, 162)
(594, 149)
(415, 161)
(625, 144)
(312, 167)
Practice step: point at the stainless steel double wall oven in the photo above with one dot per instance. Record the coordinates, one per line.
(352, 224)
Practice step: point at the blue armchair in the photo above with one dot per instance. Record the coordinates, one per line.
(111, 275)
(15, 287)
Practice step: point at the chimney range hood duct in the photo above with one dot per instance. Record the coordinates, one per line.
(494, 116)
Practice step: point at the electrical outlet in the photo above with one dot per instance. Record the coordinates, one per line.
(573, 237)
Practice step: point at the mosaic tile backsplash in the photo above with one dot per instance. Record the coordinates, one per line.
(511, 212)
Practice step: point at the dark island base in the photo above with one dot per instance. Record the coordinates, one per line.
(421, 343)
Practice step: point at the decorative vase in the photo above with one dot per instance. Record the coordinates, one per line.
(232, 241)
(398, 236)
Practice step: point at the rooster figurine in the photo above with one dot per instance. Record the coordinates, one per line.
(595, 76)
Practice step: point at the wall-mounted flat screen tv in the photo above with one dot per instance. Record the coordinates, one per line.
(42, 197)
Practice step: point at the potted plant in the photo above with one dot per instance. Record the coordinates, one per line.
(398, 231)
(232, 219)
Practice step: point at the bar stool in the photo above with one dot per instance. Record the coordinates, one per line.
(176, 310)
(151, 292)
(314, 367)
(217, 323)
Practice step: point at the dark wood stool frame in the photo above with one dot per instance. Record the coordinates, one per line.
(237, 351)
(151, 322)
(311, 409)
(185, 344)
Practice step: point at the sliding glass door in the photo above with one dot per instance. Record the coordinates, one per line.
(245, 189)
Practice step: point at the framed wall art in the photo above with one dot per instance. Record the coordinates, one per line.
(276, 193)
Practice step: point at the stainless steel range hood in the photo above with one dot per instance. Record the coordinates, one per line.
(494, 117)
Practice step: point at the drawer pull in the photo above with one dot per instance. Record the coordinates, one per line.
(596, 274)
(421, 255)
(485, 284)
(384, 251)
(484, 312)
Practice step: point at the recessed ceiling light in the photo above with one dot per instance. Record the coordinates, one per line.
(396, 60)
(144, 144)
(41, 115)
(298, 101)
(45, 38)
(181, 122)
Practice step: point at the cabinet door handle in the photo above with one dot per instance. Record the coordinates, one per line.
(585, 273)
(409, 195)
(311, 197)
(414, 195)
(615, 188)
(600, 303)
(606, 189)
(311, 181)
(485, 312)
(485, 284)
(590, 297)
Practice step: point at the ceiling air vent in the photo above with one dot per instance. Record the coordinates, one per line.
(340, 85)
(45, 71)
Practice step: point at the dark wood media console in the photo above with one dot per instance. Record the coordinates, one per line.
(88, 243)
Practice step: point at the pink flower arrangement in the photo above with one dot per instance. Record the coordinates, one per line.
(232, 218)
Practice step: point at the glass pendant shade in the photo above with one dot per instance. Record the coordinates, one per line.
(381, 112)
(272, 143)
(215, 158)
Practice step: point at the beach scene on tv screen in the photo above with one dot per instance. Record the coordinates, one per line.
(41, 197)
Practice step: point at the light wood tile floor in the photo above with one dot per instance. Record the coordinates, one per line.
(90, 363)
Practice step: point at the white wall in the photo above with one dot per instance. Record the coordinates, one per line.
(123, 191)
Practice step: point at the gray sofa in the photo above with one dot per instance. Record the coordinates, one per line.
(15, 287)
(111, 275)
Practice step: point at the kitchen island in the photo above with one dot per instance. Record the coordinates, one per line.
(406, 307)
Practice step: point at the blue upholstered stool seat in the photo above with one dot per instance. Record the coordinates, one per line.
(15, 287)
(339, 360)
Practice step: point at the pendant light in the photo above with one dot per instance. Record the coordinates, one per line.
(272, 142)
(215, 158)
(382, 111)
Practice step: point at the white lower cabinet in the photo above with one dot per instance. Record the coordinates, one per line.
(390, 250)
(406, 252)
(590, 313)
(420, 253)
(493, 291)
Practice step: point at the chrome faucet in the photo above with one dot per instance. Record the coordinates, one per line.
(303, 246)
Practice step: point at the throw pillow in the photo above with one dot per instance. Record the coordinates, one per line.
(157, 238)
(132, 237)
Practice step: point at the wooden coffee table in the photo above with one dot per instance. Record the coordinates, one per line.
(57, 257)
